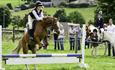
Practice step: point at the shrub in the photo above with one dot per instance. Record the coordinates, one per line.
(5, 16)
(76, 17)
(61, 15)
(9, 6)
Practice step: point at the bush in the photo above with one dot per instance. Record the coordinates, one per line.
(9, 6)
(18, 22)
(61, 15)
(76, 17)
(108, 9)
(5, 13)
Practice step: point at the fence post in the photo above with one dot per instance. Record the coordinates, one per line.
(83, 47)
(13, 38)
(0, 47)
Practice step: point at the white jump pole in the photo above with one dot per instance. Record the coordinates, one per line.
(83, 65)
(0, 47)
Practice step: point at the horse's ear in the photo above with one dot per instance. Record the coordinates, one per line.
(55, 18)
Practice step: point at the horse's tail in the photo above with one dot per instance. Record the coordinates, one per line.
(17, 49)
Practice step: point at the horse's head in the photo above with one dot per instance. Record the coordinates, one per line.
(91, 28)
(53, 22)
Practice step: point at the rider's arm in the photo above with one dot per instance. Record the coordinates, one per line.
(36, 16)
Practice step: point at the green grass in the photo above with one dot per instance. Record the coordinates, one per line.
(100, 62)
(13, 2)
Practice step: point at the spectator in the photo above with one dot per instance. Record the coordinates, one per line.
(88, 31)
(79, 37)
(94, 39)
(61, 38)
(72, 38)
(110, 28)
(56, 43)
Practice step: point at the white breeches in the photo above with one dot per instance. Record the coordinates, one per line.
(29, 24)
(30, 21)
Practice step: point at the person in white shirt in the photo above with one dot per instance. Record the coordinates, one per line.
(61, 37)
(72, 37)
(111, 26)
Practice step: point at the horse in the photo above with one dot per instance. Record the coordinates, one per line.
(40, 33)
(90, 38)
(109, 37)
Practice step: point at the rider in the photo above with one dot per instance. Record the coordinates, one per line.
(99, 21)
(35, 14)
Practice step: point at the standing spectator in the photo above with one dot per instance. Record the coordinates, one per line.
(111, 28)
(76, 43)
(72, 37)
(94, 39)
(56, 43)
(61, 38)
(79, 37)
(88, 31)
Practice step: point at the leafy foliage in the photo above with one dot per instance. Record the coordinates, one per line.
(61, 15)
(108, 9)
(76, 17)
(4, 16)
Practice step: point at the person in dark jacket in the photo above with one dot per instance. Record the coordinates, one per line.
(99, 21)
(94, 44)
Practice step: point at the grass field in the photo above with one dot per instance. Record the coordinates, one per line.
(100, 62)
(13, 2)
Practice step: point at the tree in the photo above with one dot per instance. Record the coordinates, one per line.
(5, 16)
(76, 17)
(16, 21)
(108, 9)
(61, 15)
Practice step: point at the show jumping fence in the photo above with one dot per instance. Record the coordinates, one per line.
(46, 58)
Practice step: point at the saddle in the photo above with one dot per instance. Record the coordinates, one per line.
(31, 31)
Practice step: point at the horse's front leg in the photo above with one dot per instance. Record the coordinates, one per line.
(38, 42)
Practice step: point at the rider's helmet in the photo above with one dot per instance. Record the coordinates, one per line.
(38, 3)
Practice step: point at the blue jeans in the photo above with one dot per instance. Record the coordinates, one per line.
(79, 45)
(72, 43)
(61, 43)
(56, 44)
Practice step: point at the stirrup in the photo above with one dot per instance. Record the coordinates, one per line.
(31, 38)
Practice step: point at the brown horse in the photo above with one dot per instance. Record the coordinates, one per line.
(40, 33)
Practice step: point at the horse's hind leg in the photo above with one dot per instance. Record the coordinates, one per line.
(17, 49)
(25, 48)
